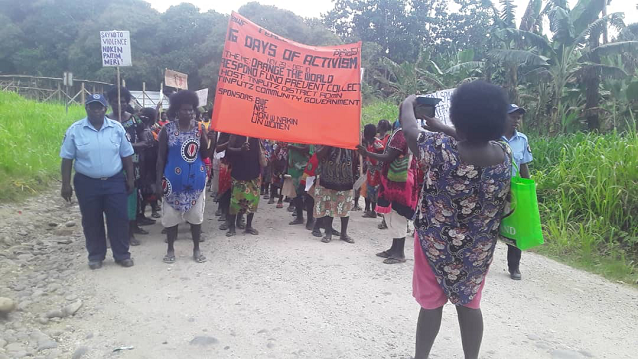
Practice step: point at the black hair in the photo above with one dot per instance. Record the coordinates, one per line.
(478, 110)
(369, 131)
(149, 113)
(384, 125)
(180, 98)
(112, 94)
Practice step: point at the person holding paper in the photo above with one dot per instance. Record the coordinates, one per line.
(466, 183)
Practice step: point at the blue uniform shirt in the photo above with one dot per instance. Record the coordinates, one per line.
(520, 150)
(96, 153)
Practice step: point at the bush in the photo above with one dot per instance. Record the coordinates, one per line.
(31, 134)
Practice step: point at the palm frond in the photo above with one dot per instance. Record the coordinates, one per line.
(436, 67)
(585, 12)
(616, 48)
(614, 19)
(517, 57)
(426, 77)
(560, 24)
(538, 74)
(605, 72)
(465, 66)
(532, 19)
(508, 14)
(529, 37)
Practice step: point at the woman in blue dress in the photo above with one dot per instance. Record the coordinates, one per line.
(181, 171)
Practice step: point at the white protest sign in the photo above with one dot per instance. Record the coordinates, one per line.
(202, 95)
(443, 107)
(176, 79)
(116, 48)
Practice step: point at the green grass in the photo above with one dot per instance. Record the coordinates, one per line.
(588, 196)
(377, 111)
(30, 137)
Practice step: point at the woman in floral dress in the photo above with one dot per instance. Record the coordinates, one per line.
(460, 208)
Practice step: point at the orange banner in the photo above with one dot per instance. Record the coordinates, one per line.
(273, 88)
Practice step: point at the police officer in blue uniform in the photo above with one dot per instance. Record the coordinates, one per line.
(522, 156)
(102, 155)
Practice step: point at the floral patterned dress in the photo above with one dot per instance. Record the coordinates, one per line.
(458, 216)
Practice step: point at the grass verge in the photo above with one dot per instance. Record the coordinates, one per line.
(30, 137)
(588, 198)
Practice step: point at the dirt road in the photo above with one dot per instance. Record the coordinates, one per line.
(282, 294)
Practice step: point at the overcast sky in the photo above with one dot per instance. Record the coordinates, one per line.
(314, 8)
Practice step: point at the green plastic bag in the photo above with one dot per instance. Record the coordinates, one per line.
(522, 226)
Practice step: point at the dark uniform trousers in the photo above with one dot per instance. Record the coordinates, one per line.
(98, 197)
(513, 257)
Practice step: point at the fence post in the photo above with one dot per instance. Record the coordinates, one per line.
(83, 95)
(59, 92)
(143, 94)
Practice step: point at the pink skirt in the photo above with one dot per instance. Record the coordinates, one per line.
(426, 289)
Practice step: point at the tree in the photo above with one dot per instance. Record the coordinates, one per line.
(385, 22)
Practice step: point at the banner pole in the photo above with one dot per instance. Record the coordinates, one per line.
(119, 105)
(161, 100)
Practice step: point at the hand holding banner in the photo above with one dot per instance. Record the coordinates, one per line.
(274, 88)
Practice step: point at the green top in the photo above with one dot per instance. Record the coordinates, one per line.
(297, 160)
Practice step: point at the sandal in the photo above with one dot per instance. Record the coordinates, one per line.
(369, 215)
(169, 259)
(134, 242)
(317, 233)
(296, 221)
(224, 226)
(382, 225)
(139, 230)
(347, 239)
(252, 231)
(200, 259)
(384, 254)
(230, 234)
(280, 205)
(394, 260)
(326, 239)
